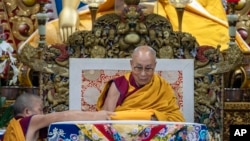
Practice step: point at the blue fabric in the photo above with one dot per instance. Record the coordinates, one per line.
(59, 5)
(70, 131)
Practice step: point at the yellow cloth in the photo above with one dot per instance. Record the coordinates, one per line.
(204, 19)
(14, 131)
(156, 98)
(133, 115)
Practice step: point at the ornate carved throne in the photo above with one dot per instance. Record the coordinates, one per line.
(115, 36)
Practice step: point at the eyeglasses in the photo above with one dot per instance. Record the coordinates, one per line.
(146, 69)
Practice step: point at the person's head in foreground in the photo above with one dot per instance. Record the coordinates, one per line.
(27, 105)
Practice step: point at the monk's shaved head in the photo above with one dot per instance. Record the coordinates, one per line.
(144, 50)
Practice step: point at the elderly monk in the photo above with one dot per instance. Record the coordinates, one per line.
(29, 123)
(140, 94)
(210, 14)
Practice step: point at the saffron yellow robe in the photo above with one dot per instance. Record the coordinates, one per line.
(155, 98)
(204, 19)
(14, 131)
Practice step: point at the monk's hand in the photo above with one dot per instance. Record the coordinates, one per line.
(103, 115)
(68, 22)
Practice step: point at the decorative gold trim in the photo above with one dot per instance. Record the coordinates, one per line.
(236, 105)
(17, 21)
(27, 10)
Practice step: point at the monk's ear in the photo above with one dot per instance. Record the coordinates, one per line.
(27, 111)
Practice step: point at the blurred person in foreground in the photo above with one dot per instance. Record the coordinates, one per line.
(30, 124)
(141, 94)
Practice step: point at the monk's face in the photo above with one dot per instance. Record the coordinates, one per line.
(143, 65)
